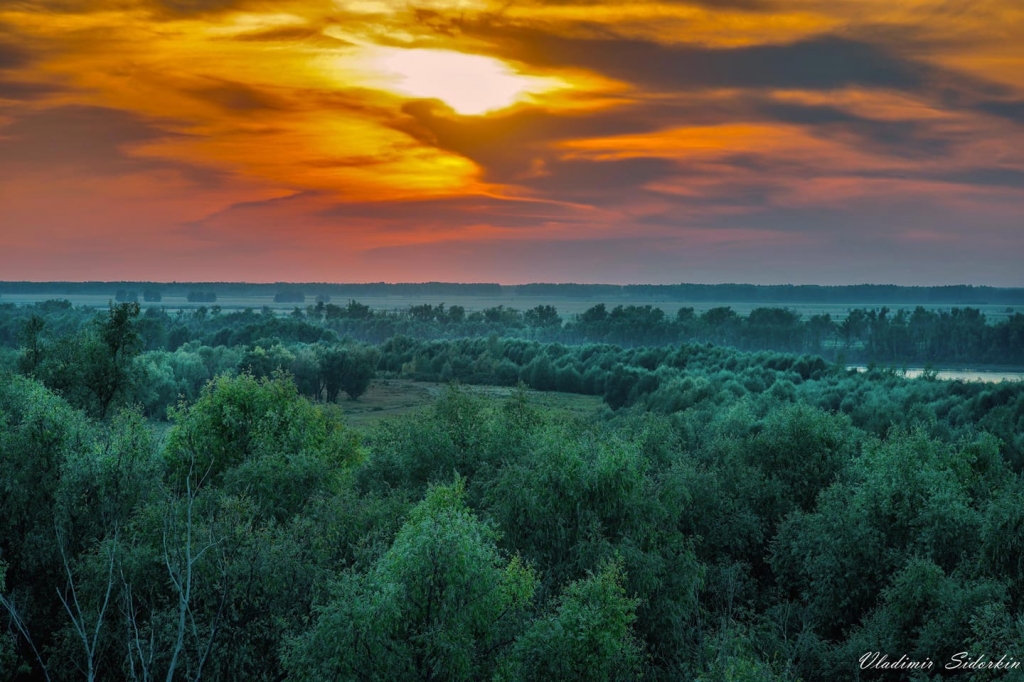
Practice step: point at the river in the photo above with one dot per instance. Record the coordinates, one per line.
(988, 376)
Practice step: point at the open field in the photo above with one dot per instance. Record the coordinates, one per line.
(388, 398)
(566, 306)
(396, 397)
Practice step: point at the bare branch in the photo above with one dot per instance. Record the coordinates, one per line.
(78, 618)
(134, 636)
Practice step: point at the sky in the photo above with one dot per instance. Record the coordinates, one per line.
(512, 141)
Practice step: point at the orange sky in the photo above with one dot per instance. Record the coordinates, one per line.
(805, 141)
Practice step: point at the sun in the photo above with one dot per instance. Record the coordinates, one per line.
(470, 84)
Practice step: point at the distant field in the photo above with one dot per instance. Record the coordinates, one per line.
(396, 397)
(567, 307)
(388, 398)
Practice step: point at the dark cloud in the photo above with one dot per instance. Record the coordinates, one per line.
(751, 5)
(453, 212)
(599, 183)
(96, 139)
(907, 138)
(1009, 109)
(291, 34)
(747, 5)
(803, 114)
(75, 134)
(197, 7)
(239, 98)
(522, 147)
(824, 62)
(19, 90)
(518, 150)
(507, 146)
(821, 62)
(160, 7)
(165, 7)
(986, 177)
(12, 57)
(71, 6)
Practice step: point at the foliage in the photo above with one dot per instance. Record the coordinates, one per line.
(730, 516)
(240, 420)
(588, 636)
(92, 369)
(440, 604)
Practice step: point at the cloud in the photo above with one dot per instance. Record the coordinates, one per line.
(22, 90)
(603, 184)
(731, 141)
(505, 145)
(77, 134)
(1012, 178)
(163, 8)
(239, 98)
(289, 34)
(12, 57)
(98, 139)
(1009, 109)
(820, 63)
(198, 6)
(452, 212)
(904, 138)
(750, 5)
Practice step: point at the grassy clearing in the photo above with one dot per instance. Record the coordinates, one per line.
(388, 398)
(396, 397)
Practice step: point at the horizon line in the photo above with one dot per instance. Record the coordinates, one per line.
(497, 284)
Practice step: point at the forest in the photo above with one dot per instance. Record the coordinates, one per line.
(183, 497)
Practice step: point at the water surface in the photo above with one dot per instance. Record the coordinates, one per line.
(988, 376)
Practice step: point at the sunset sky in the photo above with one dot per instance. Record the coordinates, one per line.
(763, 141)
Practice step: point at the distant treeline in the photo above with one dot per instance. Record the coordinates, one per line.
(202, 297)
(919, 337)
(856, 295)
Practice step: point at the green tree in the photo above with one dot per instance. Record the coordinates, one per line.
(349, 369)
(588, 638)
(909, 497)
(265, 358)
(542, 316)
(359, 370)
(306, 370)
(441, 604)
(574, 499)
(925, 613)
(94, 368)
(238, 418)
(32, 344)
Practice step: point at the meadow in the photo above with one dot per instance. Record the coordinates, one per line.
(388, 398)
